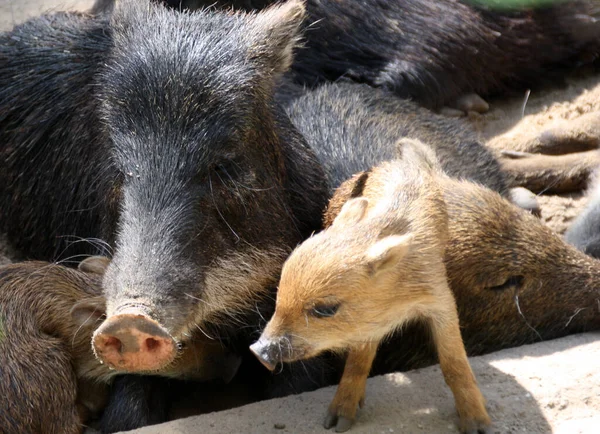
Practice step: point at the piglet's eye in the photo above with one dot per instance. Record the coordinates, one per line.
(324, 310)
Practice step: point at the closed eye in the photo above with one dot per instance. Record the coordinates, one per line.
(513, 281)
(324, 310)
(226, 170)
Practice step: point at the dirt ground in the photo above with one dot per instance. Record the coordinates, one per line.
(548, 387)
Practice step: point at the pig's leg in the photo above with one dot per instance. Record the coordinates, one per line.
(550, 173)
(557, 159)
(566, 136)
(134, 402)
(351, 391)
(470, 403)
(560, 138)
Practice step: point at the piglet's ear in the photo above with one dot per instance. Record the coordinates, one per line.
(277, 32)
(389, 251)
(94, 264)
(352, 212)
(89, 311)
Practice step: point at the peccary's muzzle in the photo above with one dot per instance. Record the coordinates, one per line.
(270, 352)
(133, 342)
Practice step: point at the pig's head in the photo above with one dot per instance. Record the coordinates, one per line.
(337, 289)
(216, 185)
(199, 358)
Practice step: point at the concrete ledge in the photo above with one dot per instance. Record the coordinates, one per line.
(552, 386)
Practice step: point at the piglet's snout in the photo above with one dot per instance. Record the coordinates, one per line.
(268, 352)
(133, 342)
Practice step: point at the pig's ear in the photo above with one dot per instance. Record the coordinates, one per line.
(416, 153)
(352, 212)
(349, 189)
(277, 32)
(94, 264)
(388, 251)
(89, 311)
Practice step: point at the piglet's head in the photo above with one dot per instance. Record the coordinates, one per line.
(333, 289)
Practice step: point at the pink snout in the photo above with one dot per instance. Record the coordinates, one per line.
(133, 343)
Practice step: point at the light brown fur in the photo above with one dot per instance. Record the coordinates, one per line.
(382, 262)
(515, 281)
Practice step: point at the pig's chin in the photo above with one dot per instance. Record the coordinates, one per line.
(301, 352)
(308, 350)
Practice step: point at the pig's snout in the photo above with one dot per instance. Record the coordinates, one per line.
(133, 342)
(268, 352)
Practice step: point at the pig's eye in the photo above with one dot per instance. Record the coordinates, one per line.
(324, 310)
(227, 170)
(513, 281)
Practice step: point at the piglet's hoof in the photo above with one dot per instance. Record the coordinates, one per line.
(341, 423)
(475, 427)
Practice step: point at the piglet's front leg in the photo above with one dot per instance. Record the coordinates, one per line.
(455, 366)
(351, 390)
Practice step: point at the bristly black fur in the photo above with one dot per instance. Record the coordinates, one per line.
(433, 51)
(55, 175)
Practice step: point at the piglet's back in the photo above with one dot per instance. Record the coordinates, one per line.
(402, 188)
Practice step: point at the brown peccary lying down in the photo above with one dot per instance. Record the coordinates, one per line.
(50, 380)
(380, 265)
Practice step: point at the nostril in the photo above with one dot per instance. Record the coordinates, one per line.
(152, 344)
(134, 343)
(266, 354)
(114, 343)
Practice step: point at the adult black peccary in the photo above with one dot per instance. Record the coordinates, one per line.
(224, 174)
(434, 51)
(182, 144)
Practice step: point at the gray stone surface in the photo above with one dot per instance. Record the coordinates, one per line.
(552, 386)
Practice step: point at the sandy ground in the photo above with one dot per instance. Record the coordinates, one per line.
(552, 386)
(16, 11)
(548, 387)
